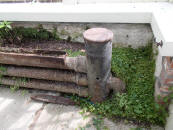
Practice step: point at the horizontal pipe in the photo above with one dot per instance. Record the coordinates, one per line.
(46, 74)
(116, 84)
(70, 63)
(45, 85)
(49, 52)
(113, 83)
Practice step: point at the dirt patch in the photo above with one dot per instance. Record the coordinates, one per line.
(50, 45)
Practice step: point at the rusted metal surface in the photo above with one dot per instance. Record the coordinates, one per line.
(53, 99)
(33, 51)
(100, 91)
(46, 85)
(116, 84)
(62, 62)
(158, 43)
(76, 63)
(98, 45)
(32, 60)
(58, 75)
(46, 74)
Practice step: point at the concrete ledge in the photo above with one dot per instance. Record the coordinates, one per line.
(108, 1)
(116, 13)
(159, 15)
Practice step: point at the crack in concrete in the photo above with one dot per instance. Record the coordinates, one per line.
(36, 116)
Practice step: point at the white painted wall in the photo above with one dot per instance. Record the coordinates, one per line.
(109, 1)
(120, 1)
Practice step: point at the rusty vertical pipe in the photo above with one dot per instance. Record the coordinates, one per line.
(98, 45)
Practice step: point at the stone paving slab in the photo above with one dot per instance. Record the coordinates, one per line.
(60, 117)
(19, 112)
(16, 111)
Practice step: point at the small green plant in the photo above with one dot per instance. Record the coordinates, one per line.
(136, 68)
(38, 33)
(19, 81)
(85, 127)
(64, 32)
(137, 128)
(14, 35)
(75, 53)
(5, 31)
(14, 88)
(3, 69)
(5, 25)
(167, 99)
(23, 92)
(98, 122)
(87, 27)
(55, 34)
(23, 80)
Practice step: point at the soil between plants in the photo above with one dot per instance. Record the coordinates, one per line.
(49, 45)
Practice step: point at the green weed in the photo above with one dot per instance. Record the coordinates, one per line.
(17, 85)
(3, 69)
(9, 34)
(74, 53)
(136, 68)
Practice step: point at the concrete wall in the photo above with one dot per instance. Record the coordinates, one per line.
(134, 35)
